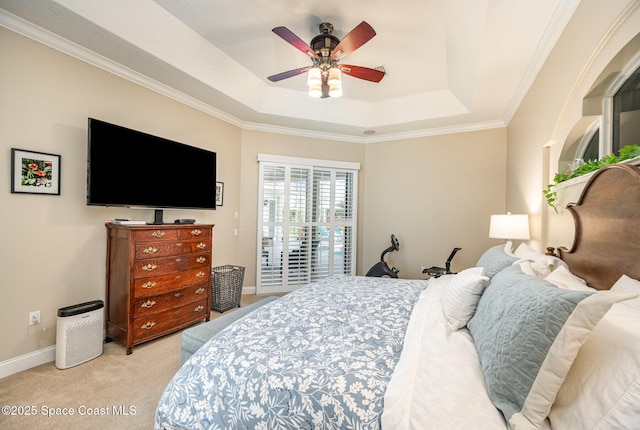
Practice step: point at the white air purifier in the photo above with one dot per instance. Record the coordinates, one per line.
(79, 333)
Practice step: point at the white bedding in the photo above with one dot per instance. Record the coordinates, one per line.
(438, 382)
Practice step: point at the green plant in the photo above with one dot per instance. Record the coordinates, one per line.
(625, 153)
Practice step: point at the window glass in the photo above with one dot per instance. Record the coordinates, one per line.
(626, 113)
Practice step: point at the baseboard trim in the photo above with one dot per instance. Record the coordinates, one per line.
(27, 361)
(47, 355)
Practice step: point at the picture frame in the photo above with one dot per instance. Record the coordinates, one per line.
(35, 172)
(219, 193)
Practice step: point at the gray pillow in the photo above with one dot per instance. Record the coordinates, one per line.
(494, 260)
(527, 333)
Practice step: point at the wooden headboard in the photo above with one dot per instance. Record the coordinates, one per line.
(607, 222)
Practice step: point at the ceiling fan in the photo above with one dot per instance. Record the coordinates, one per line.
(326, 50)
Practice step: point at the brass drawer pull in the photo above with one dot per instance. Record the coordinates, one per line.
(199, 308)
(149, 267)
(158, 233)
(150, 250)
(178, 260)
(196, 232)
(179, 244)
(176, 312)
(148, 304)
(201, 245)
(178, 277)
(201, 274)
(147, 325)
(200, 290)
(201, 259)
(149, 284)
(177, 294)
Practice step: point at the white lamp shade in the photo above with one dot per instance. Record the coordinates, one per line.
(509, 226)
(314, 77)
(315, 90)
(335, 90)
(335, 76)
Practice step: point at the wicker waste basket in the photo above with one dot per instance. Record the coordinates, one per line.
(226, 287)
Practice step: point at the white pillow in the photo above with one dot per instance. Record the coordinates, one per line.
(461, 296)
(628, 285)
(563, 278)
(602, 389)
(541, 264)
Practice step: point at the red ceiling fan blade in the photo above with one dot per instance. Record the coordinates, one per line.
(288, 74)
(294, 41)
(365, 73)
(352, 41)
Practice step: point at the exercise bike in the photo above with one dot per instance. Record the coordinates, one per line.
(436, 272)
(381, 268)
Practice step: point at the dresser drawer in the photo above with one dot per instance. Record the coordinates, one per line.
(148, 250)
(161, 266)
(170, 282)
(156, 324)
(153, 235)
(151, 304)
(194, 233)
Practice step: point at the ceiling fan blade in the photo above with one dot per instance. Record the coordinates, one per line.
(288, 74)
(353, 40)
(294, 41)
(359, 72)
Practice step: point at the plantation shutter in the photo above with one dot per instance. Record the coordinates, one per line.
(307, 219)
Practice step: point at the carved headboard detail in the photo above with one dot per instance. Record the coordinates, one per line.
(607, 222)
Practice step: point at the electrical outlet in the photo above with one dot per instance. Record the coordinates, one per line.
(34, 317)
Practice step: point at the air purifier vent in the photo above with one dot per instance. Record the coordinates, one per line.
(79, 333)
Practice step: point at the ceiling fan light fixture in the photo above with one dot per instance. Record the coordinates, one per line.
(335, 76)
(315, 91)
(314, 77)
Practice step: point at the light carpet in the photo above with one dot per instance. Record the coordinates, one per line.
(114, 390)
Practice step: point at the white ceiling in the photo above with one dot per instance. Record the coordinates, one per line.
(451, 65)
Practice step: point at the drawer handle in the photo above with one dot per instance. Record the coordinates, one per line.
(158, 233)
(149, 284)
(179, 244)
(201, 259)
(150, 250)
(177, 294)
(200, 274)
(149, 267)
(200, 290)
(148, 304)
(201, 245)
(178, 260)
(147, 325)
(196, 232)
(176, 312)
(178, 277)
(199, 308)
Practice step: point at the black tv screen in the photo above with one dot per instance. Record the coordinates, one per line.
(134, 169)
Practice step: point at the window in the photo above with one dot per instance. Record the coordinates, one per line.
(626, 113)
(307, 220)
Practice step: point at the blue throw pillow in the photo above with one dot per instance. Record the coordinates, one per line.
(527, 333)
(494, 260)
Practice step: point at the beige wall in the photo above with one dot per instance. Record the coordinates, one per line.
(597, 32)
(434, 194)
(52, 249)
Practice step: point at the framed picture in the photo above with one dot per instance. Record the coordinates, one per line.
(219, 193)
(35, 172)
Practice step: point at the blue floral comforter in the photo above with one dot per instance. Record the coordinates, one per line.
(318, 358)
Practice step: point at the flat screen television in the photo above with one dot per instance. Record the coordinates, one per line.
(134, 169)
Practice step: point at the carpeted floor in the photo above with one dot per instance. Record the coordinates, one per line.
(114, 390)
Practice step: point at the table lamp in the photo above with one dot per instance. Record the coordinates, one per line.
(509, 226)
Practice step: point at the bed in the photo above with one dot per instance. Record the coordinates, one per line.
(521, 341)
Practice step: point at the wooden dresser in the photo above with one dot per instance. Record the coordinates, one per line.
(158, 280)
